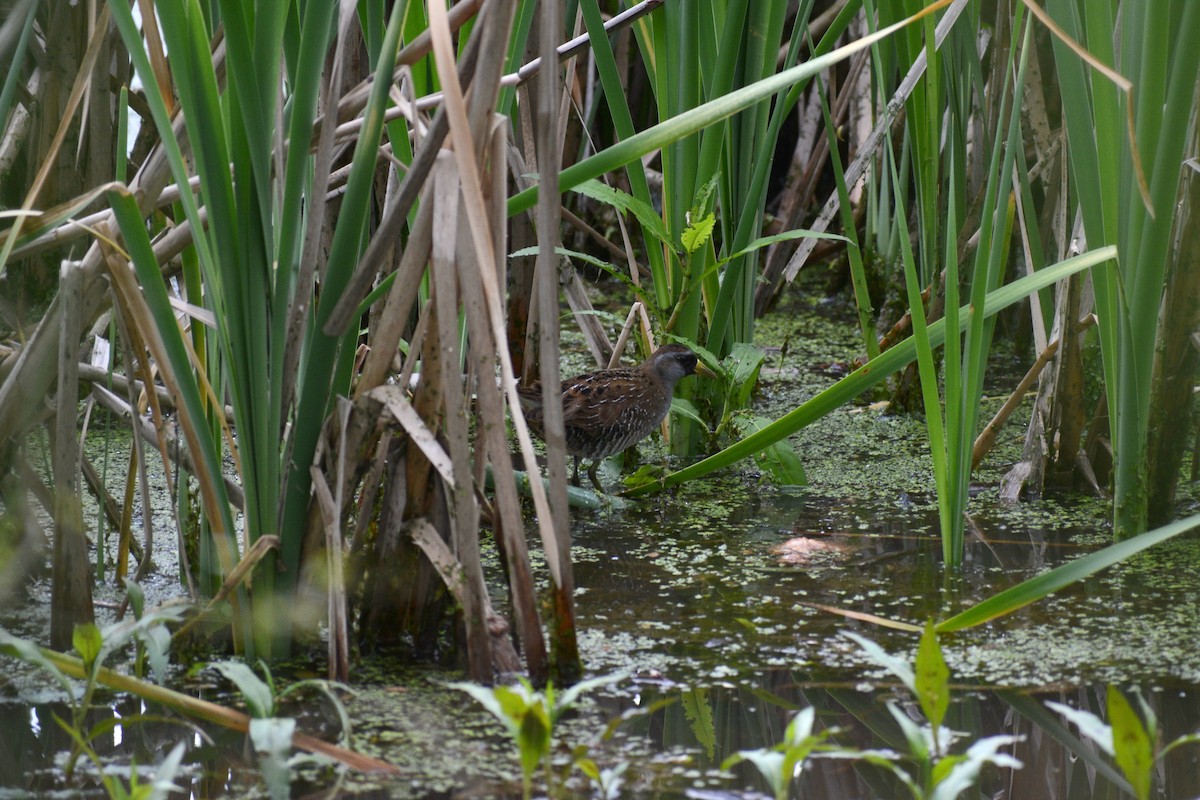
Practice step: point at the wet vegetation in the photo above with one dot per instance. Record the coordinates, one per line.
(272, 521)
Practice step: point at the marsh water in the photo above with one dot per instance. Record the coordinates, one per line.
(720, 608)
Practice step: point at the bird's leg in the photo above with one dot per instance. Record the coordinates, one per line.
(575, 474)
(592, 475)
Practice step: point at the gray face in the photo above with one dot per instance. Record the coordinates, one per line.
(673, 366)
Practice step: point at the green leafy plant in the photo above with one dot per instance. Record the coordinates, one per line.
(94, 646)
(1126, 146)
(1131, 743)
(939, 774)
(780, 764)
(270, 733)
(529, 716)
(871, 374)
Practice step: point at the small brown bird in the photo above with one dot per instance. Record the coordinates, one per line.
(606, 411)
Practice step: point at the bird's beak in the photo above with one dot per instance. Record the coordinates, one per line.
(703, 369)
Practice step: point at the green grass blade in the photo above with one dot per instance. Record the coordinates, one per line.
(695, 119)
(321, 368)
(192, 408)
(870, 374)
(1038, 587)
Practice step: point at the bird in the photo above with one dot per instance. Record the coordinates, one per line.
(609, 410)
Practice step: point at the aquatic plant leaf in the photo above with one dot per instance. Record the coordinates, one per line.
(1131, 743)
(700, 718)
(919, 738)
(486, 697)
(272, 734)
(567, 699)
(685, 408)
(786, 236)
(768, 762)
(684, 124)
(157, 641)
(1088, 723)
(30, 653)
(118, 634)
(533, 738)
(800, 729)
(164, 774)
(932, 678)
(272, 739)
(645, 474)
(942, 769)
(515, 702)
(87, 641)
(327, 689)
(743, 365)
(606, 266)
(611, 780)
(963, 772)
(1052, 725)
(257, 694)
(779, 460)
(137, 598)
(1189, 738)
(893, 664)
(588, 767)
(885, 759)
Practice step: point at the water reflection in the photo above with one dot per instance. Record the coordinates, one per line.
(1057, 763)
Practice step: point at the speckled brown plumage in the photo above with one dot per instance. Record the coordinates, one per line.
(607, 411)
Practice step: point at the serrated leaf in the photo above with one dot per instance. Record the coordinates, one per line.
(1131, 745)
(158, 644)
(932, 678)
(87, 641)
(702, 204)
(696, 234)
(700, 719)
